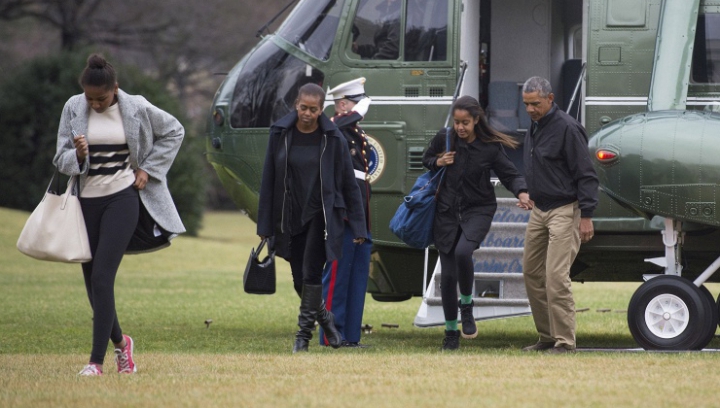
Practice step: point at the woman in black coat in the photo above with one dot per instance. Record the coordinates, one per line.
(466, 205)
(308, 188)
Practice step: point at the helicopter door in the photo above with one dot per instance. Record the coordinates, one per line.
(705, 79)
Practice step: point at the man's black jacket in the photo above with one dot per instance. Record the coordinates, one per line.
(558, 168)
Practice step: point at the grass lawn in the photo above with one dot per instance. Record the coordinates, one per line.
(244, 357)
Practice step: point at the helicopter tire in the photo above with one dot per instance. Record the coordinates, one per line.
(718, 306)
(712, 322)
(669, 313)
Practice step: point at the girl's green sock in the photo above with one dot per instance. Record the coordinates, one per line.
(451, 325)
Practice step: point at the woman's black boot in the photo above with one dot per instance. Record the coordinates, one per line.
(327, 321)
(306, 319)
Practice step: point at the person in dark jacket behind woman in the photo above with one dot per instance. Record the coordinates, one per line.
(466, 205)
(345, 279)
(308, 188)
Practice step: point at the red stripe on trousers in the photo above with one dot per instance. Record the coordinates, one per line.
(331, 289)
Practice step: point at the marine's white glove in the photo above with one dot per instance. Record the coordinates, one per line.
(362, 106)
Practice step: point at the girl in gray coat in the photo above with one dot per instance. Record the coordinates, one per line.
(121, 147)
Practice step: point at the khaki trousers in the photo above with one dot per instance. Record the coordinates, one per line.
(552, 241)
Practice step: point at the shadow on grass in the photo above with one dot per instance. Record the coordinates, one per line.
(274, 340)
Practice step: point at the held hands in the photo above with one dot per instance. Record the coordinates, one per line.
(525, 202)
(586, 230)
(81, 147)
(141, 179)
(446, 159)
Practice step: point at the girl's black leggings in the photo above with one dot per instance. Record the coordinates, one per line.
(110, 222)
(457, 270)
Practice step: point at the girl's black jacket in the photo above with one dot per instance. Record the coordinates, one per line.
(466, 196)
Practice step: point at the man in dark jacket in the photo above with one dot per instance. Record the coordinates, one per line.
(308, 189)
(345, 279)
(563, 186)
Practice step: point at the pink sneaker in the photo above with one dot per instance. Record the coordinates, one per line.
(124, 357)
(91, 370)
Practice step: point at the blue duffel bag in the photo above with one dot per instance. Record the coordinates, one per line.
(413, 220)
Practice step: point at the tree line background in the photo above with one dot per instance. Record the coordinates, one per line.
(173, 52)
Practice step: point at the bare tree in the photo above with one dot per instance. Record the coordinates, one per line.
(82, 22)
(183, 43)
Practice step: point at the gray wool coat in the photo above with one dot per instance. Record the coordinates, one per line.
(153, 137)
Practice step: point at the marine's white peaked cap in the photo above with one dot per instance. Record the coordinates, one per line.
(350, 88)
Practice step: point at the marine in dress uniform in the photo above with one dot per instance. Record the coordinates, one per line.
(345, 280)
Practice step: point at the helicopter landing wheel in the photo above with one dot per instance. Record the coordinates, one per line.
(712, 322)
(670, 313)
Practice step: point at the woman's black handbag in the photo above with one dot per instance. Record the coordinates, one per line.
(259, 277)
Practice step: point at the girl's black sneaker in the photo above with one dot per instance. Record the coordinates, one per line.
(452, 340)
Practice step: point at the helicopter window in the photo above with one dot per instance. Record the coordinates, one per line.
(267, 86)
(313, 25)
(426, 30)
(706, 53)
(376, 30)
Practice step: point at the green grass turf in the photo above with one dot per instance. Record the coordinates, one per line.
(243, 358)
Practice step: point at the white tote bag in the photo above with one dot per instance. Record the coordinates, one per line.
(56, 230)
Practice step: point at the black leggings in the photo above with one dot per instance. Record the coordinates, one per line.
(110, 222)
(457, 269)
(307, 254)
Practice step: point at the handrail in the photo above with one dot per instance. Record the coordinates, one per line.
(463, 67)
(577, 87)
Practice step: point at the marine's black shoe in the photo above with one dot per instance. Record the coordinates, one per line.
(353, 344)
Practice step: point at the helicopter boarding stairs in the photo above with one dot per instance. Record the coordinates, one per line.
(498, 288)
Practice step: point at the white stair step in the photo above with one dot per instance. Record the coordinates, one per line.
(504, 251)
(508, 211)
(505, 235)
(509, 276)
(480, 302)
